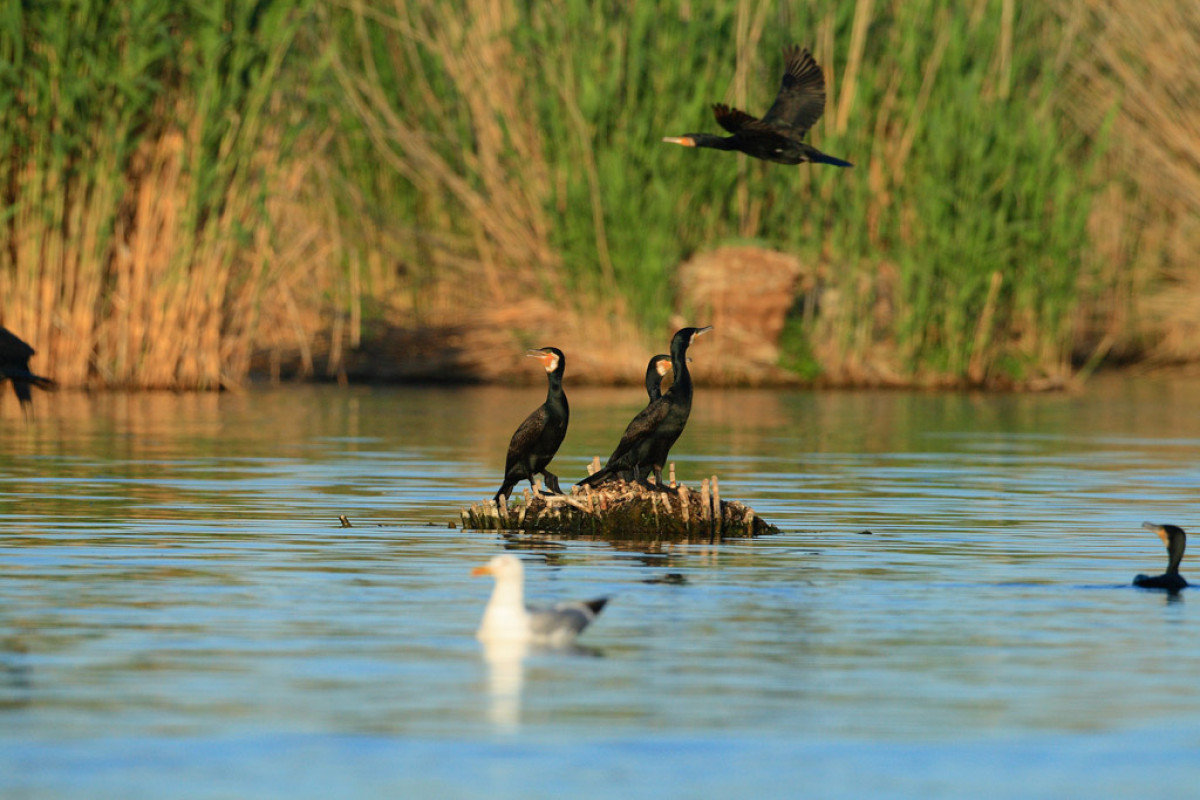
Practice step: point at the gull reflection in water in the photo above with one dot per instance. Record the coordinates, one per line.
(506, 676)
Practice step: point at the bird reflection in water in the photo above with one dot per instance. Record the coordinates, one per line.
(505, 661)
(511, 630)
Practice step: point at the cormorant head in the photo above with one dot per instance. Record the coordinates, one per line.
(686, 336)
(688, 140)
(661, 364)
(1175, 540)
(703, 140)
(1172, 535)
(551, 357)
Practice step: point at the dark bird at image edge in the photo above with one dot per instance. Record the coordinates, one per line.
(779, 135)
(1176, 541)
(14, 366)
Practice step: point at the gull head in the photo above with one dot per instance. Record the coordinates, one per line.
(502, 567)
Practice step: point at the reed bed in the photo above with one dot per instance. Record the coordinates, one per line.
(1139, 81)
(186, 190)
(528, 136)
(148, 157)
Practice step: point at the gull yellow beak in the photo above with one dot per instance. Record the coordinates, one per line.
(484, 570)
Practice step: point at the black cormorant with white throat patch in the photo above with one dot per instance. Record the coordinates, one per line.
(537, 439)
(1175, 540)
(648, 438)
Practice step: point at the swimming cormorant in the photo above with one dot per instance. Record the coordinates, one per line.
(14, 365)
(778, 135)
(648, 438)
(1175, 540)
(535, 442)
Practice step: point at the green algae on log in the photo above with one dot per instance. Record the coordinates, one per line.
(624, 510)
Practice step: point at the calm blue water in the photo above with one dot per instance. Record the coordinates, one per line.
(181, 616)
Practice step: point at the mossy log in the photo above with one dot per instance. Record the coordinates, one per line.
(621, 510)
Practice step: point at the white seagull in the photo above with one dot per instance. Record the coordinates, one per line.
(508, 619)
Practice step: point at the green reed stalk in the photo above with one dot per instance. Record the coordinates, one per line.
(139, 158)
(964, 168)
(479, 151)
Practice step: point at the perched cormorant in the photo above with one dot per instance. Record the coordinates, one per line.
(656, 370)
(1175, 540)
(647, 440)
(777, 136)
(14, 365)
(535, 442)
(508, 619)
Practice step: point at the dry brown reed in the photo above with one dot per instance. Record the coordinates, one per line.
(513, 188)
(1135, 83)
(154, 305)
(478, 144)
(151, 239)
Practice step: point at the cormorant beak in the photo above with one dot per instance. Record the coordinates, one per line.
(549, 360)
(484, 570)
(686, 141)
(1159, 530)
(700, 332)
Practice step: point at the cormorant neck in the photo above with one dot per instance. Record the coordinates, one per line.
(554, 392)
(653, 384)
(683, 378)
(715, 142)
(1175, 556)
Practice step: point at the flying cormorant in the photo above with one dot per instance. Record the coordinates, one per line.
(14, 366)
(778, 135)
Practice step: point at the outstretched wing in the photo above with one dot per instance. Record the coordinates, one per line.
(12, 349)
(731, 119)
(801, 99)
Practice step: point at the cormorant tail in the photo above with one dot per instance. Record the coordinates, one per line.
(821, 158)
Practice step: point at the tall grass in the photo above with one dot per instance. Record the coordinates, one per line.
(142, 151)
(527, 135)
(186, 186)
(1140, 79)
